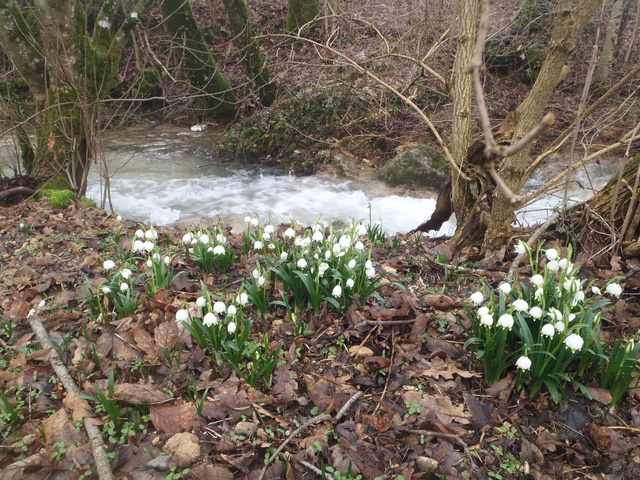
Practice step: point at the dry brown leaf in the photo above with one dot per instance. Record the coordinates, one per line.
(137, 394)
(440, 405)
(166, 335)
(145, 342)
(174, 418)
(42, 354)
(79, 407)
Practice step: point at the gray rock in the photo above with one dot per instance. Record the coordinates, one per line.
(419, 165)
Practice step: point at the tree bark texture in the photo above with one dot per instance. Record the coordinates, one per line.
(570, 22)
(249, 47)
(197, 60)
(601, 76)
(300, 13)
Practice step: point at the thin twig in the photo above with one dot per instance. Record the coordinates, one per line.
(315, 420)
(103, 466)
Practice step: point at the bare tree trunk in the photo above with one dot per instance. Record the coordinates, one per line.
(252, 59)
(300, 13)
(601, 76)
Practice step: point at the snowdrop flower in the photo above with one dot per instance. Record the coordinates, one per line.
(537, 280)
(289, 233)
(345, 241)
(574, 342)
(204, 239)
(231, 327)
(572, 317)
(148, 245)
(201, 302)
(151, 234)
(350, 282)
(254, 222)
(261, 280)
(266, 236)
(317, 237)
(108, 264)
(564, 263)
(284, 256)
(231, 310)
(506, 321)
(118, 218)
(125, 273)
(539, 293)
(548, 330)
(255, 274)
(370, 272)
(134, 14)
(553, 266)
(323, 267)
(242, 298)
(536, 312)
(219, 307)
(327, 254)
(578, 297)
(520, 248)
(596, 290)
(337, 291)
(210, 319)
(106, 290)
(258, 245)
(149, 263)
(520, 305)
(368, 264)
(124, 287)
(139, 233)
(359, 245)
(560, 326)
(269, 229)
(360, 229)
(166, 260)
(218, 250)
(352, 263)
(187, 237)
(483, 311)
(523, 363)
(336, 248)
(477, 298)
(221, 238)
(555, 314)
(104, 23)
(505, 288)
(302, 263)
(247, 219)
(156, 256)
(22, 225)
(551, 254)
(614, 289)
(486, 320)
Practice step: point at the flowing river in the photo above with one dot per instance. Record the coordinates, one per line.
(169, 176)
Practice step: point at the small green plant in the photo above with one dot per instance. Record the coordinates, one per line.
(339, 476)
(119, 290)
(175, 474)
(59, 450)
(374, 229)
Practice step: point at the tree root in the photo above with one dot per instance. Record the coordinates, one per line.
(13, 192)
(103, 466)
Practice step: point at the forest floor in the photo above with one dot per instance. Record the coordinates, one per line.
(419, 407)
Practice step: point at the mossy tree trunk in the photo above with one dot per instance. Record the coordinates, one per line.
(252, 59)
(214, 90)
(300, 13)
(68, 72)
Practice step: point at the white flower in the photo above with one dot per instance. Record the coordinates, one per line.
(477, 298)
(269, 229)
(182, 315)
(327, 254)
(210, 319)
(564, 263)
(560, 326)
(370, 272)
(483, 311)
(520, 248)
(506, 321)
(345, 241)
(360, 229)
(201, 302)
(242, 298)
(551, 254)
(523, 363)
(352, 263)
(167, 260)
(572, 317)
(254, 222)
(548, 330)
(219, 307)
(218, 250)
(317, 237)
(204, 239)
(118, 218)
(22, 225)
(350, 283)
(289, 233)
(134, 14)
(108, 264)
(536, 312)
(323, 267)
(156, 256)
(578, 297)
(596, 290)
(553, 266)
(231, 310)
(539, 293)
(221, 238)
(266, 236)
(247, 219)
(104, 23)
(258, 245)
(139, 233)
(574, 342)
(337, 291)
(336, 248)
(187, 237)
(555, 314)
(231, 327)
(151, 234)
(261, 280)
(255, 274)
(486, 320)
(505, 288)
(520, 305)
(359, 245)
(302, 263)
(614, 289)
(125, 273)
(124, 287)
(148, 245)
(537, 280)
(284, 256)
(149, 263)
